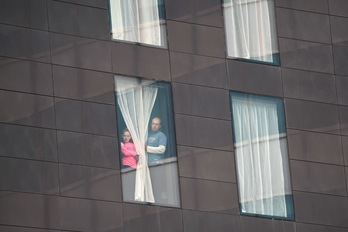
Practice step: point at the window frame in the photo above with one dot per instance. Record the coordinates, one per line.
(172, 143)
(276, 56)
(291, 217)
(162, 23)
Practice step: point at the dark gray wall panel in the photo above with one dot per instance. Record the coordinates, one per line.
(266, 225)
(319, 6)
(338, 7)
(341, 60)
(311, 86)
(134, 60)
(26, 13)
(28, 142)
(199, 70)
(339, 31)
(94, 3)
(78, 20)
(24, 229)
(342, 93)
(213, 196)
(201, 101)
(27, 109)
(26, 76)
(195, 221)
(87, 215)
(139, 217)
(312, 116)
(346, 170)
(319, 178)
(344, 120)
(90, 150)
(32, 210)
(80, 52)
(321, 209)
(315, 147)
(83, 85)
(205, 12)
(254, 78)
(345, 149)
(86, 117)
(196, 39)
(206, 164)
(306, 55)
(89, 182)
(303, 25)
(202, 132)
(302, 227)
(29, 176)
(24, 43)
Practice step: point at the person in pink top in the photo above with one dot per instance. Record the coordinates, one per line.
(129, 153)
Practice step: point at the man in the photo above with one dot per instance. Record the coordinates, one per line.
(156, 142)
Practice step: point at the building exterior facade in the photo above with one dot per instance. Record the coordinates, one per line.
(60, 129)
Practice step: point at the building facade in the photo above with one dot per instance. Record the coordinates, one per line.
(60, 162)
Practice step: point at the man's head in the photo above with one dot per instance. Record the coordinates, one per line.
(156, 124)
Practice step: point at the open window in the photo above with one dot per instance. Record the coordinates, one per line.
(261, 156)
(138, 21)
(147, 141)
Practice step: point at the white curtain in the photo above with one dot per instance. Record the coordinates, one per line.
(250, 29)
(136, 21)
(261, 155)
(136, 99)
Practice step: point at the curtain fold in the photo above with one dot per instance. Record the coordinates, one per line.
(136, 21)
(261, 157)
(250, 29)
(136, 100)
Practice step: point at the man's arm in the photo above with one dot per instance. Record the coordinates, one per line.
(161, 148)
(156, 150)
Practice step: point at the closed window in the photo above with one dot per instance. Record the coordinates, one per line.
(138, 21)
(261, 156)
(251, 30)
(147, 141)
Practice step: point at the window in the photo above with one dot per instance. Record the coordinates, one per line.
(261, 156)
(251, 30)
(147, 141)
(139, 21)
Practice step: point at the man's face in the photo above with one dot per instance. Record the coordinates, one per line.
(156, 124)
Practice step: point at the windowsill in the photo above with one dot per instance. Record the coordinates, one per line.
(160, 163)
(138, 43)
(276, 64)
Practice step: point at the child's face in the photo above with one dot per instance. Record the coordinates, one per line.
(126, 137)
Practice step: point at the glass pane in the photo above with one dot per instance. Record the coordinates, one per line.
(261, 156)
(147, 141)
(138, 21)
(251, 30)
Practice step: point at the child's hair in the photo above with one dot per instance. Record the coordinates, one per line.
(126, 130)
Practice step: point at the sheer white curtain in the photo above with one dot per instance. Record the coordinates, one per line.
(136, 21)
(136, 99)
(261, 155)
(250, 29)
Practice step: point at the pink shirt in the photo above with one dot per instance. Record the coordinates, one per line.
(129, 151)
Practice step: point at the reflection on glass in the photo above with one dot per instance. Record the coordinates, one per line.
(140, 21)
(147, 141)
(261, 156)
(251, 30)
